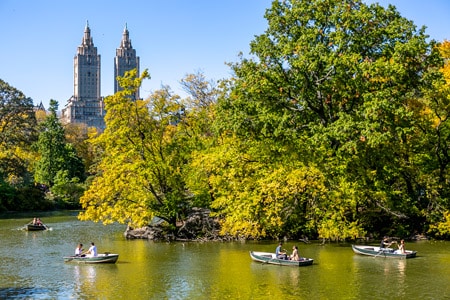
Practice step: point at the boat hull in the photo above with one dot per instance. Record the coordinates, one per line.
(382, 252)
(106, 258)
(270, 258)
(31, 227)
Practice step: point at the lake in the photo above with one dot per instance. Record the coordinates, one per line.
(32, 267)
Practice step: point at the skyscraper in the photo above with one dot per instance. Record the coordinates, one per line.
(86, 105)
(125, 60)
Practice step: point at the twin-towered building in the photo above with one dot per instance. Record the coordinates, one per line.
(86, 105)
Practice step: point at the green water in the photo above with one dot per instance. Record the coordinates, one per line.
(32, 268)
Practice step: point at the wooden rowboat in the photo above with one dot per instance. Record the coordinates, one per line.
(31, 227)
(271, 258)
(382, 252)
(104, 258)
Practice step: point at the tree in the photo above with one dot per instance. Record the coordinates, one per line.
(139, 175)
(437, 128)
(198, 118)
(331, 84)
(77, 134)
(55, 153)
(17, 117)
(17, 133)
(146, 150)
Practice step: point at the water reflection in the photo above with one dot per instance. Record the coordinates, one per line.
(391, 273)
(84, 273)
(92, 280)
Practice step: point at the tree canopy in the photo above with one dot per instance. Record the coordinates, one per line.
(333, 86)
(17, 133)
(56, 155)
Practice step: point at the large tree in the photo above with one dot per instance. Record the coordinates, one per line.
(437, 113)
(17, 133)
(56, 154)
(145, 152)
(332, 86)
(138, 176)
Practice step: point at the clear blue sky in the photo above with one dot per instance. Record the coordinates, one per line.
(171, 37)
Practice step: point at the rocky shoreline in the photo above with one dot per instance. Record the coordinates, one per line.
(198, 226)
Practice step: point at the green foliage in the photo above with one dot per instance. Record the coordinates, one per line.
(27, 198)
(7, 194)
(144, 153)
(442, 228)
(66, 191)
(17, 133)
(55, 153)
(335, 85)
(31, 199)
(17, 118)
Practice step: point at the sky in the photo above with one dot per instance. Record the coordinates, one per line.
(173, 38)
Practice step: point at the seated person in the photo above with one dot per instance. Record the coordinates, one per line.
(281, 254)
(294, 255)
(92, 250)
(401, 247)
(79, 250)
(385, 244)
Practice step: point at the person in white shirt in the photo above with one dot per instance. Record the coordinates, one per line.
(92, 250)
(79, 250)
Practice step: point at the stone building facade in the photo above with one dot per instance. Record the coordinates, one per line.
(125, 60)
(86, 105)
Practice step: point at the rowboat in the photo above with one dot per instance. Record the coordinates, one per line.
(104, 258)
(271, 258)
(32, 227)
(382, 252)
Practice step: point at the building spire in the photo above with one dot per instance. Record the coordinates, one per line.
(125, 60)
(87, 39)
(126, 42)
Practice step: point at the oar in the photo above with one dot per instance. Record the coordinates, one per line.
(268, 261)
(379, 252)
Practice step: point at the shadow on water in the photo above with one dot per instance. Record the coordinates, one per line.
(24, 292)
(31, 215)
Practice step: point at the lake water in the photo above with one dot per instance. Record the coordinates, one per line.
(32, 267)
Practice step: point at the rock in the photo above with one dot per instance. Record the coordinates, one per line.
(198, 225)
(147, 232)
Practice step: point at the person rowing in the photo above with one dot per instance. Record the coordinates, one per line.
(79, 250)
(385, 244)
(280, 253)
(38, 222)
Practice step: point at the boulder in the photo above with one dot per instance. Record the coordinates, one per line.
(198, 225)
